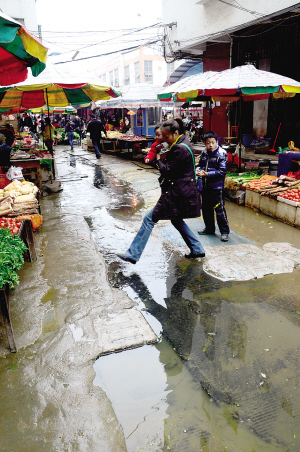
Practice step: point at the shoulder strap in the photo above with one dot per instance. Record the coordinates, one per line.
(192, 154)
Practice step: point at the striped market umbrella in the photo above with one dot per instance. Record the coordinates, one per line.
(140, 95)
(54, 110)
(18, 51)
(244, 82)
(55, 87)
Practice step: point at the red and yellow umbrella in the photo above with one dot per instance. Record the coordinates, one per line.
(55, 87)
(18, 51)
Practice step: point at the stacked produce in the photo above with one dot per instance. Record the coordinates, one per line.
(11, 257)
(296, 174)
(18, 198)
(59, 134)
(236, 181)
(132, 138)
(111, 134)
(263, 182)
(292, 195)
(32, 152)
(278, 186)
(13, 224)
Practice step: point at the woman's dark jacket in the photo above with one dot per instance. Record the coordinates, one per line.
(180, 196)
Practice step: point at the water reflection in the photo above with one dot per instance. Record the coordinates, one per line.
(99, 177)
(124, 200)
(221, 337)
(72, 161)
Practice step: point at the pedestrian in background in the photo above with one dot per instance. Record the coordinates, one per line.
(49, 134)
(179, 198)
(69, 129)
(9, 134)
(95, 127)
(212, 168)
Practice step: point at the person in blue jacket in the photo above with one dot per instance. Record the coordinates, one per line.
(212, 168)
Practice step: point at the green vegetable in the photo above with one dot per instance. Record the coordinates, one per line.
(46, 164)
(11, 257)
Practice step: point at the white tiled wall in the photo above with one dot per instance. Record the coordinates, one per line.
(21, 9)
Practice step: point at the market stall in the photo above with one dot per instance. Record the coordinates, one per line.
(142, 99)
(134, 144)
(118, 142)
(28, 154)
(278, 197)
(241, 84)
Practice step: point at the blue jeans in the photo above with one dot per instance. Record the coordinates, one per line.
(139, 242)
(96, 144)
(71, 138)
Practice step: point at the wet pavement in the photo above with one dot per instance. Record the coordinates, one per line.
(225, 372)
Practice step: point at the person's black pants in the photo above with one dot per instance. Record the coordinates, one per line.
(213, 201)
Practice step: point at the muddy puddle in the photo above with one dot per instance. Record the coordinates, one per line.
(225, 374)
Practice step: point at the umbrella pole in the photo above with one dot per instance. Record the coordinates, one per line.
(53, 167)
(210, 113)
(240, 133)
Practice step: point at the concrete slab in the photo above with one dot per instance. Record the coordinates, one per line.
(244, 262)
(171, 234)
(123, 329)
(285, 250)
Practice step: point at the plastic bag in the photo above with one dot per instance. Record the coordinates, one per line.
(14, 173)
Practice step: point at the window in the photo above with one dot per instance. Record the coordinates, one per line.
(127, 76)
(111, 77)
(116, 77)
(104, 78)
(137, 72)
(148, 71)
(154, 116)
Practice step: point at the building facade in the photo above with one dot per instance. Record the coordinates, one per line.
(23, 11)
(140, 65)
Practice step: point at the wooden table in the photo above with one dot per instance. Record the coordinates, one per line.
(131, 144)
(34, 164)
(229, 139)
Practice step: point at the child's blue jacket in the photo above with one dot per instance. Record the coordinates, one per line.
(216, 166)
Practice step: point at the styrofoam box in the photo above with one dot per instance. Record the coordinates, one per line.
(288, 201)
(252, 199)
(297, 219)
(268, 206)
(286, 212)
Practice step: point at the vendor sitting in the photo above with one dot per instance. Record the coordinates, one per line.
(9, 133)
(5, 150)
